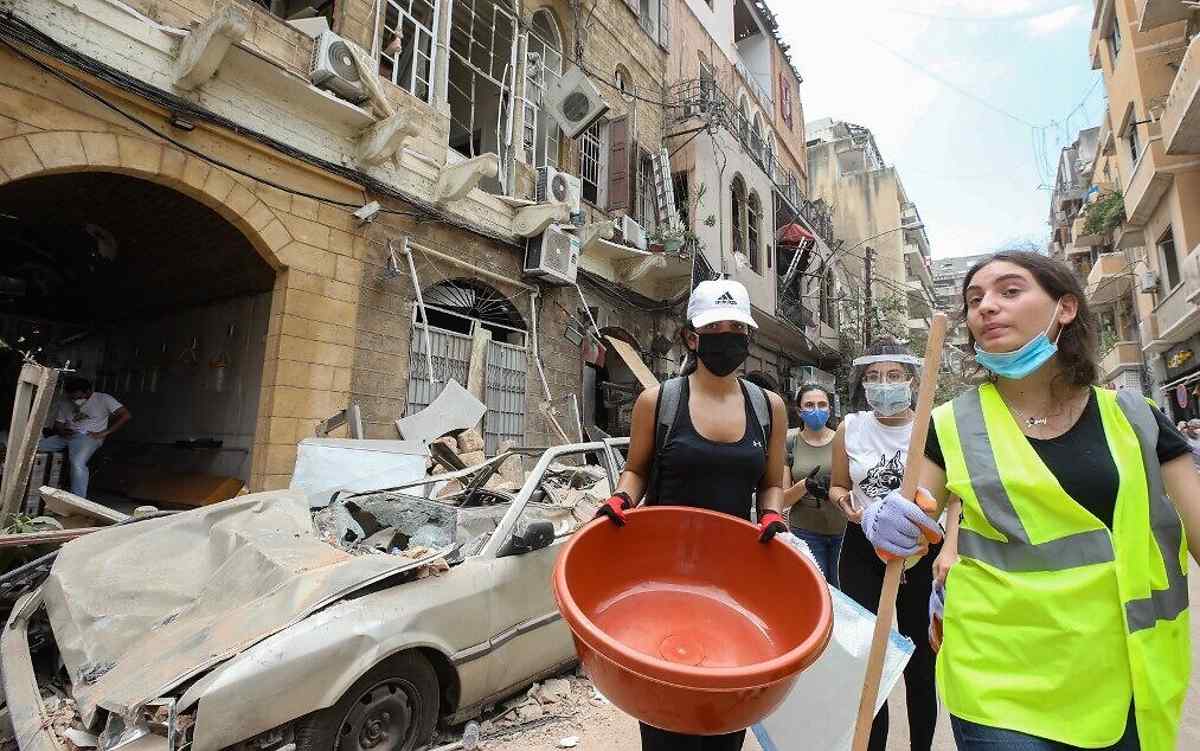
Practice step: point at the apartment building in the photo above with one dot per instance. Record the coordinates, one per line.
(737, 138)
(872, 214)
(949, 274)
(1148, 56)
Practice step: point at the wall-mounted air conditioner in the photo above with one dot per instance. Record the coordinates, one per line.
(1148, 282)
(553, 256)
(333, 68)
(574, 102)
(556, 186)
(629, 232)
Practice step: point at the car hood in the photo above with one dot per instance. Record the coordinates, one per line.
(139, 608)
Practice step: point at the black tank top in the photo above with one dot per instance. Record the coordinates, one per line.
(695, 471)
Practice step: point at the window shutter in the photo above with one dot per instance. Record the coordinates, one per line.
(618, 164)
(664, 23)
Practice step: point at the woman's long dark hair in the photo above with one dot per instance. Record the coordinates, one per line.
(884, 345)
(690, 361)
(1077, 342)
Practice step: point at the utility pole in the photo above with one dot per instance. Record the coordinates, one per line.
(867, 297)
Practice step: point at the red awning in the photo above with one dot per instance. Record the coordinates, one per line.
(793, 234)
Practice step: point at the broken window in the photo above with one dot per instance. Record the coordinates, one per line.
(543, 68)
(592, 170)
(737, 216)
(683, 205)
(292, 10)
(648, 16)
(483, 49)
(646, 194)
(406, 57)
(753, 226)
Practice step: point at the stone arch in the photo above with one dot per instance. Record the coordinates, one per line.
(60, 152)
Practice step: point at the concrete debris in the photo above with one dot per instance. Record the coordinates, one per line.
(471, 458)
(469, 440)
(571, 741)
(81, 738)
(454, 409)
(552, 691)
(512, 470)
(61, 716)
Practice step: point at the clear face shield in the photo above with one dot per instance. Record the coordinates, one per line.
(886, 392)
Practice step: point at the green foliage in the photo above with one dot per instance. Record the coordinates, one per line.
(1105, 215)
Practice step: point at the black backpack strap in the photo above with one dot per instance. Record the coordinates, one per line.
(762, 408)
(665, 410)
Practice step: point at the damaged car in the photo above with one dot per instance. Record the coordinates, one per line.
(265, 623)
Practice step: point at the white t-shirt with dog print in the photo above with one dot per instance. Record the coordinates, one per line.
(877, 453)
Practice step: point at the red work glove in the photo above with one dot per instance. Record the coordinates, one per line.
(770, 523)
(615, 507)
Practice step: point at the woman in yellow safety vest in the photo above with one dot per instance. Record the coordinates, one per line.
(1065, 619)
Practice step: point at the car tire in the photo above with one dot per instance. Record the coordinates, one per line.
(393, 707)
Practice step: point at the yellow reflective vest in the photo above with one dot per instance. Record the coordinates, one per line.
(1053, 623)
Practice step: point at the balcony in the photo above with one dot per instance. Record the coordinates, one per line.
(1147, 186)
(917, 265)
(1181, 117)
(1110, 279)
(1154, 13)
(909, 216)
(1082, 238)
(1178, 315)
(1077, 250)
(1123, 356)
(1126, 237)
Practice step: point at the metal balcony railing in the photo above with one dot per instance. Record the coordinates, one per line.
(703, 99)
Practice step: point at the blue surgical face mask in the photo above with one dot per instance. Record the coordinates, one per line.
(889, 399)
(814, 419)
(1023, 360)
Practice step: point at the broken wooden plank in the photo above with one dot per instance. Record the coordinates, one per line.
(65, 503)
(634, 361)
(35, 393)
(44, 538)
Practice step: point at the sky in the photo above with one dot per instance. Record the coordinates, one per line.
(971, 101)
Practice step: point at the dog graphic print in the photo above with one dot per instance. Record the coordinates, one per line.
(884, 477)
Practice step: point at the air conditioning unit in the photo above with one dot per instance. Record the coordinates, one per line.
(629, 232)
(574, 102)
(1148, 282)
(333, 68)
(553, 256)
(553, 185)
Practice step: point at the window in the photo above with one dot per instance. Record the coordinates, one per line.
(785, 99)
(1135, 146)
(828, 306)
(708, 81)
(543, 69)
(738, 214)
(591, 169)
(625, 83)
(743, 114)
(683, 204)
(648, 17)
(1168, 259)
(1114, 38)
(769, 155)
(753, 226)
(406, 57)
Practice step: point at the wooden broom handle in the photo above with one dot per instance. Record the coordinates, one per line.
(891, 577)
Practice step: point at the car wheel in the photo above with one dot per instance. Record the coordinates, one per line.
(393, 707)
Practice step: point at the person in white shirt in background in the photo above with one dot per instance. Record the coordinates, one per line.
(81, 424)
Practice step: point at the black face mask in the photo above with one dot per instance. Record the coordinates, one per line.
(723, 353)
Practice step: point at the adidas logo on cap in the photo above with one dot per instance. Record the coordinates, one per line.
(719, 300)
(725, 299)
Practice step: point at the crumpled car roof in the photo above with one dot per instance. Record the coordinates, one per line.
(139, 608)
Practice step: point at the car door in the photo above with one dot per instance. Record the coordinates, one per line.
(529, 636)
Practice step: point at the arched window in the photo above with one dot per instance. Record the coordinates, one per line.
(769, 156)
(543, 69)
(753, 231)
(738, 214)
(625, 83)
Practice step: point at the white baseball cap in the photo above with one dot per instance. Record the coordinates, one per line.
(719, 300)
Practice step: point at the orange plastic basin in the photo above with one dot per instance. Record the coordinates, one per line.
(686, 621)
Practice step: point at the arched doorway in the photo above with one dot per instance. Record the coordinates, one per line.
(462, 312)
(154, 296)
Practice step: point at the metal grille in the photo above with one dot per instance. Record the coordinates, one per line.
(451, 356)
(408, 52)
(504, 395)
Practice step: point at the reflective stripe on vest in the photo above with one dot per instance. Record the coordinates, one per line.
(1162, 604)
(1018, 554)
